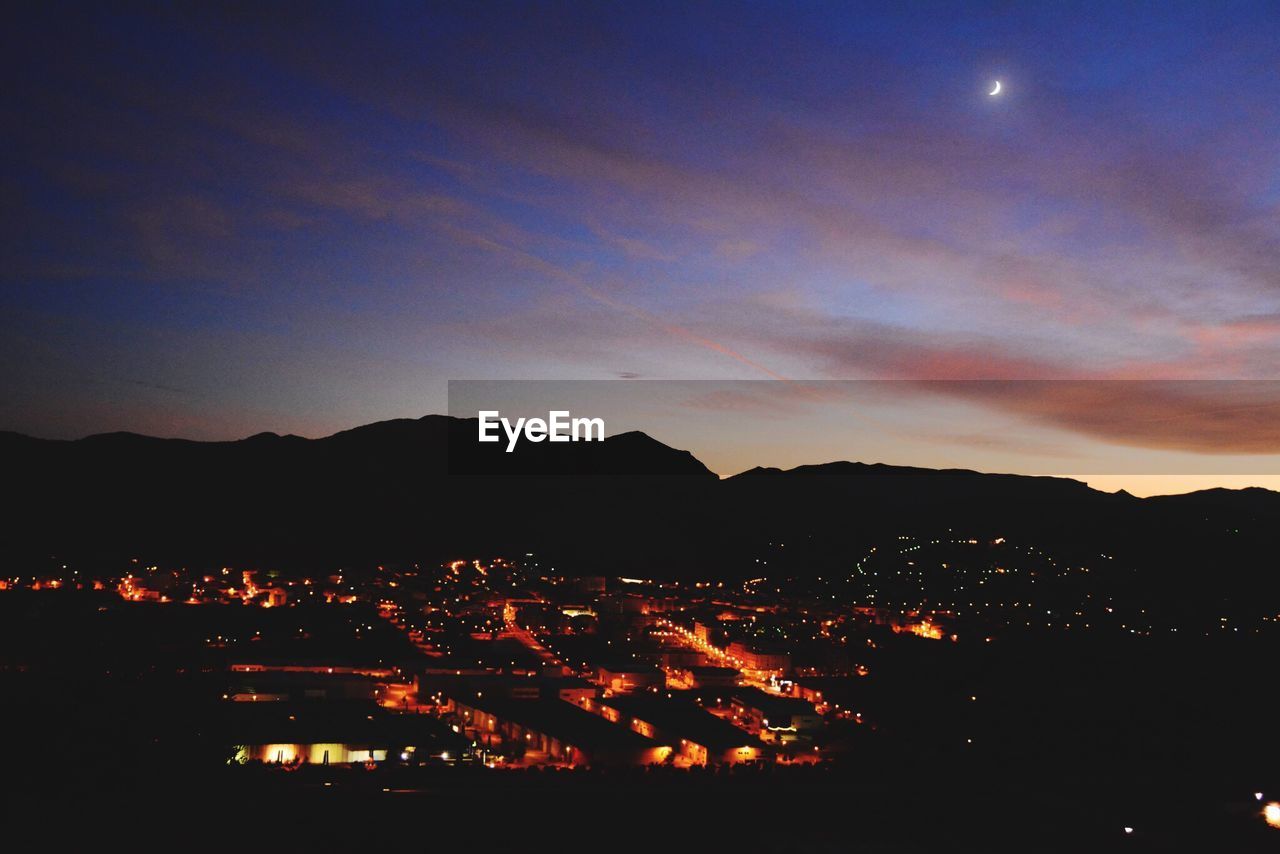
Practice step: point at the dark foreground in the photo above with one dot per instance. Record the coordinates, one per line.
(111, 740)
(818, 808)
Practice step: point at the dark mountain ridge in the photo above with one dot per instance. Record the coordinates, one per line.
(415, 489)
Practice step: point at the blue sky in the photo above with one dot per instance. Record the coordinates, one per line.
(224, 218)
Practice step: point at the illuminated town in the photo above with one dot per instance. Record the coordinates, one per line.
(393, 675)
(568, 425)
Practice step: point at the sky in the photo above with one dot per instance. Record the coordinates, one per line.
(228, 218)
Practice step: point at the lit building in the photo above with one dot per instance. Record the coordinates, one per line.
(625, 678)
(777, 719)
(759, 659)
(337, 733)
(699, 737)
(553, 731)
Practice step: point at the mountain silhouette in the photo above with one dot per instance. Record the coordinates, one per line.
(421, 489)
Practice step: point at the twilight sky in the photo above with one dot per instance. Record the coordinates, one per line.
(227, 218)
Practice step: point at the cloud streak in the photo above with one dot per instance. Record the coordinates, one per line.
(685, 194)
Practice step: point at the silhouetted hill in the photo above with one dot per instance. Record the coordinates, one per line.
(421, 488)
(394, 488)
(875, 476)
(1249, 499)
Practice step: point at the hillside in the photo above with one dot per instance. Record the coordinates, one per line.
(420, 489)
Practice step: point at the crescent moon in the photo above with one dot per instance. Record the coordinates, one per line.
(995, 91)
